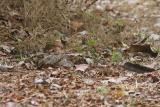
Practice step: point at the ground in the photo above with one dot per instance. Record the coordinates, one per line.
(82, 65)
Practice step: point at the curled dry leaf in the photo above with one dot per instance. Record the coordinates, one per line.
(54, 61)
(137, 68)
(76, 25)
(6, 68)
(2, 53)
(89, 81)
(81, 67)
(114, 80)
(144, 48)
(39, 81)
(5, 48)
(55, 86)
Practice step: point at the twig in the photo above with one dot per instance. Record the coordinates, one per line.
(89, 5)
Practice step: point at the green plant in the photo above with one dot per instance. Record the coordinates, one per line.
(119, 22)
(91, 43)
(116, 57)
(140, 34)
(79, 49)
(101, 90)
(118, 26)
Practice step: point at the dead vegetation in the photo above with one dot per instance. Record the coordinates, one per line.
(42, 18)
(70, 53)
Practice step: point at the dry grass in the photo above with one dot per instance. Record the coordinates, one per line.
(48, 14)
(39, 18)
(45, 16)
(45, 13)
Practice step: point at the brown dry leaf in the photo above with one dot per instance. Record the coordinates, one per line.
(114, 80)
(10, 104)
(76, 25)
(82, 67)
(117, 92)
(54, 61)
(2, 54)
(5, 48)
(144, 48)
(19, 34)
(154, 77)
(137, 68)
(6, 68)
(16, 96)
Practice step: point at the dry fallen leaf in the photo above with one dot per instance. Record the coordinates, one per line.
(144, 48)
(6, 68)
(137, 68)
(114, 80)
(2, 53)
(5, 48)
(81, 67)
(76, 25)
(54, 61)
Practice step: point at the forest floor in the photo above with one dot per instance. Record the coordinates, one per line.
(107, 58)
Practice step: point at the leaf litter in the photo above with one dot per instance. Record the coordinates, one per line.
(53, 78)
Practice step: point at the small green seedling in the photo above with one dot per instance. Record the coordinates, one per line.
(116, 57)
(118, 26)
(140, 34)
(119, 22)
(101, 90)
(91, 42)
(79, 49)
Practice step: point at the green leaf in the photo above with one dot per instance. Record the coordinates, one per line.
(91, 42)
(116, 57)
(101, 90)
